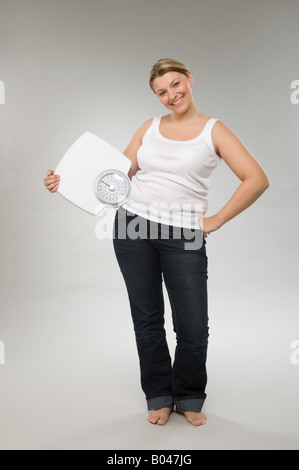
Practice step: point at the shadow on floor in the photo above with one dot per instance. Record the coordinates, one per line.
(135, 433)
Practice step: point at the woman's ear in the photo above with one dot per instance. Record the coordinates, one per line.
(190, 78)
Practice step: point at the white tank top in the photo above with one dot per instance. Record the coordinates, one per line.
(172, 184)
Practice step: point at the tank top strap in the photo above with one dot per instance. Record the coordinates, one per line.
(152, 128)
(208, 137)
(209, 126)
(156, 122)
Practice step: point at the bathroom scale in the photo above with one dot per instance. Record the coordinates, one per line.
(94, 174)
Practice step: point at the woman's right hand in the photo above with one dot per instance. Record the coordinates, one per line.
(51, 181)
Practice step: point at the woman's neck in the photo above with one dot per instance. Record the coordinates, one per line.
(191, 113)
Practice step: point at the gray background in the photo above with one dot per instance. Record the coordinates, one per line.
(71, 378)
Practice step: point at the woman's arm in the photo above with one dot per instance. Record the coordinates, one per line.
(254, 180)
(131, 151)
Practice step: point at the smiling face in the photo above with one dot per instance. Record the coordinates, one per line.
(174, 91)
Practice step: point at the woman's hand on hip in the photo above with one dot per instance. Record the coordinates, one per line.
(209, 224)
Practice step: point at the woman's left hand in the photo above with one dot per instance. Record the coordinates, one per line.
(209, 224)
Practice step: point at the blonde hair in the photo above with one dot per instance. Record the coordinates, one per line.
(163, 66)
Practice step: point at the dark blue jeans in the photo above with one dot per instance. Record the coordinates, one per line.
(145, 262)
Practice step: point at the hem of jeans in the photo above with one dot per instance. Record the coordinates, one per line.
(189, 404)
(163, 401)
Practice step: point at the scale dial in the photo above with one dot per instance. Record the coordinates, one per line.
(112, 187)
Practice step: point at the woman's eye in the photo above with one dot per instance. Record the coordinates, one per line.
(175, 84)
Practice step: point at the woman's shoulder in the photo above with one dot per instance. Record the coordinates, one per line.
(144, 127)
(148, 122)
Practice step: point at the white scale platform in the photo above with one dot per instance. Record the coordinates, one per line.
(94, 174)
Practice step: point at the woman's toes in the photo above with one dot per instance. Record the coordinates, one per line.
(197, 419)
(161, 421)
(159, 416)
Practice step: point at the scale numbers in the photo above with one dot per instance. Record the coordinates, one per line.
(112, 187)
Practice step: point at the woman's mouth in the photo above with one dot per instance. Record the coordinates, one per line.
(177, 102)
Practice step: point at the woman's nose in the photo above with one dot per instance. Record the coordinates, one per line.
(171, 97)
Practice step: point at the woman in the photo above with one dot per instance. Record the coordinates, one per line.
(172, 158)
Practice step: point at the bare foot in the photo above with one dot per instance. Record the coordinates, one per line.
(160, 416)
(195, 418)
